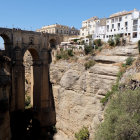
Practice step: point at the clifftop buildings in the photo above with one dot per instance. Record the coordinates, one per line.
(126, 24)
(59, 29)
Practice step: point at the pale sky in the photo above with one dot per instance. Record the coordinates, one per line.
(33, 14)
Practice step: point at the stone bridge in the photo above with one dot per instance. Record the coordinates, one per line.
(17, 42)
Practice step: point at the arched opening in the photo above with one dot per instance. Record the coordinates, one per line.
(31, 59)
(52, 50)
(2, 47)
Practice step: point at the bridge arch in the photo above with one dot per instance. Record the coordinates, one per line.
(4, 41)
(32, 69)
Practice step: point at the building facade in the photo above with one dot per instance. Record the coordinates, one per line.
(59, 29)
(125, 23)
(88, 27)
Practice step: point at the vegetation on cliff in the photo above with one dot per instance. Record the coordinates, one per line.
(122, 117)
(83, 134)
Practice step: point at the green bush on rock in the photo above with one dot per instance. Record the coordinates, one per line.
(83, 134)
(89, 64)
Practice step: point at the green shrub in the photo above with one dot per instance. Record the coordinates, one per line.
(70, 52)
(96, 47)
(111, 42)
(58, 56)
(27, 101)
(129, 61)
(64, 54)
(139, 46)
(123, 42)
(89, 64)
(98, 42)
(83, 134)
(122, 117)
(82, 42)
(117, 40)
(88, 49)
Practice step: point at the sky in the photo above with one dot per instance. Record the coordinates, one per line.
(33, 14)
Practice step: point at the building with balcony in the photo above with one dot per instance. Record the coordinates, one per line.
(59, 29)
(126, 24)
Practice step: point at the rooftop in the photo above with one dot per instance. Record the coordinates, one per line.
(122, 13)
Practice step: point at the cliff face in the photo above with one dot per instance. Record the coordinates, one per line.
(78, 92)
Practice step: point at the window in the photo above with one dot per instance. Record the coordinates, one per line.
(125, 17)
(119, 25)
(112, 20)
(126, 24)
(120, 18)
(107, 26)
(135, 22)
(116, 19)
(112, 26)
(135, 35)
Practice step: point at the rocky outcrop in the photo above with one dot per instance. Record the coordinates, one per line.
(78, 92)
(77, 95)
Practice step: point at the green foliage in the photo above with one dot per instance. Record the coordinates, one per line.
(139, 46)
(123, 42)
(96, 47)
(82, 42)
(122, 117)
(117, 40)
(111, 42)
(129, 61)
(27, 101)
(83, 134)
(75, 40)
(114, 88)
(98, 42)
(70, 53)
(89, 64)
(88, 50)
(64, 54)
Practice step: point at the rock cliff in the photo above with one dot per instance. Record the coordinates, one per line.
(78, 92)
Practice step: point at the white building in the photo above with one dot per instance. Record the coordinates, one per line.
(100, 31)
(88, 27)
(127, 24)
(59, 29)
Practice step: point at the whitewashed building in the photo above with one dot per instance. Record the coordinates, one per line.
(100, 30)
(126, 24)
(88, 27)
